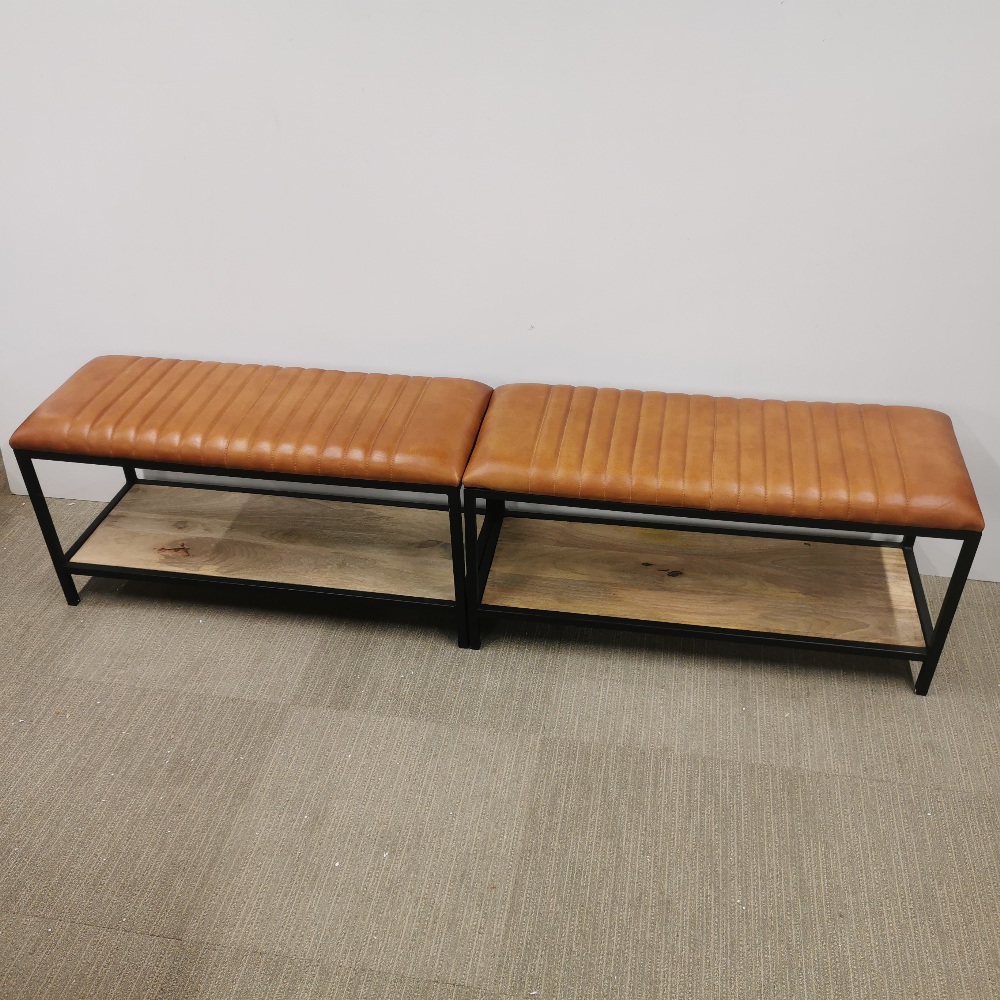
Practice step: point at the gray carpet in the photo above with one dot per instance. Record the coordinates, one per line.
(207, 797)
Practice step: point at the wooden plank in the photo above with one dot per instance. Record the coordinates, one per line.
(813, 588)
(321, 543)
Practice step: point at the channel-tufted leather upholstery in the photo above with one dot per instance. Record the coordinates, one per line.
(867, 464)
(263, 418)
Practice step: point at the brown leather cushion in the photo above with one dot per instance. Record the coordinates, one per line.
(307, 422)
(868, 464)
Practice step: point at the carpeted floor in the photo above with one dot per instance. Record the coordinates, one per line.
(203, 797)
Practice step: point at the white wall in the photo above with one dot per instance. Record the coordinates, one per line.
(795, 199)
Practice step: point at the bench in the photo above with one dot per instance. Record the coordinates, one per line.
(394, 436)
(789, 523)
(827, 500)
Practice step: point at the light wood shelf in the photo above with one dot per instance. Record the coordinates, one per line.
(320, 543)
(806, 588)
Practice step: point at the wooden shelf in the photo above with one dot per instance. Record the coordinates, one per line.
(815, 588)
(249, 536)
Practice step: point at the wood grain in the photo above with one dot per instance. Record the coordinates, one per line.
(322, 543)
(813, 588)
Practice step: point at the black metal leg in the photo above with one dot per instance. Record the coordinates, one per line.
(919, 597)
(130, 474)
(472, 568)
(458, 566)
(48, 529)
(495, 507)
(947, 613)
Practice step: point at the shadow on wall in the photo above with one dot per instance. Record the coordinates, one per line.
(936, 556)
(977, 456)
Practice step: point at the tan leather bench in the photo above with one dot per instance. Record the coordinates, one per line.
(775, 469)
(860, 469)
(387, 433)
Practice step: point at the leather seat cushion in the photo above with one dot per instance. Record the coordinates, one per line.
(869, 464)
(307, 422)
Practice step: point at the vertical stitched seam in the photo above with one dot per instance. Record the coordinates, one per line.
(121, 416)
(291, 413)
(187, 427)
(843, 458)
(246, 413)
(687, 448)
(538, 435)
(819, 465)
(586, 438)
(871, 462)
(902, 471)
(711, 471)
(763, 438)
(110, 403)
(404, 382)
(223, 409)
(635, 448)
(739, 456)
(611, 445)
(791, 458)
(193, 390)
(402, 430)
(659, 451)
(308, 428)
(337, 418)
(262, 420)
(361, 418)
(562, 438)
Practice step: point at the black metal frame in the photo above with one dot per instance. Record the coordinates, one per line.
(480, 547)
(66, 567)
(471, 562)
